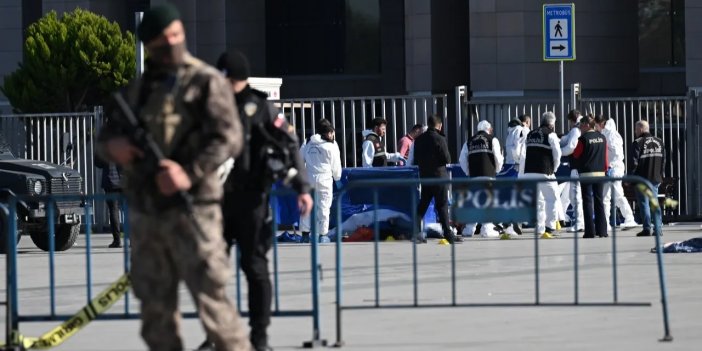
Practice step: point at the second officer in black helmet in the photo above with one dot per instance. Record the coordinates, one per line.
(270, 154)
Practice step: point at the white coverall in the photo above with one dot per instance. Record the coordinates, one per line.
(368, 152)
(515, 144)
(323, 163)
(615, 150)
(571, 193)
(486, 230)
(547, 202)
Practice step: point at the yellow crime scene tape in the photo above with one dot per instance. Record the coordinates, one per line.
(101, 303)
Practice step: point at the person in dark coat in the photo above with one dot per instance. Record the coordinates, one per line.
(111, 183)
(648, 161)
(430, 153)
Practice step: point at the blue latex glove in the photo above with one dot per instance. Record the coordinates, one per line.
(338, 184)
(609, 172)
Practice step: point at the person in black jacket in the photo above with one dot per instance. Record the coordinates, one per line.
(648, 161)
(246, 189)
(111, 183)
(430, 153)
(590, 159)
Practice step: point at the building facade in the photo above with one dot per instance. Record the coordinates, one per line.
(325, 48)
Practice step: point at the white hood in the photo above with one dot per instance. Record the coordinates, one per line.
(615, 144)
(515, 143)
(367, 132)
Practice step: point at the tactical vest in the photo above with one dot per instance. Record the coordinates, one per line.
(481, 156)
(380, 158)
(539, 156)
(594, 155)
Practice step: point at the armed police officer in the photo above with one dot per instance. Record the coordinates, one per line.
(187, 107)
(270, 154)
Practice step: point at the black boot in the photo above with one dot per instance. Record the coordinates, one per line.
(305, 237)
(517, 228)
(116, 241)
(259, 341)
(644, 232)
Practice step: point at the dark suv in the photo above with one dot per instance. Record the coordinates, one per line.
(30, 179)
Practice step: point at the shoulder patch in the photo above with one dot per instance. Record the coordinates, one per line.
(250, 109)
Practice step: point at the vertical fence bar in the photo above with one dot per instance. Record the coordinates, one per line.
(353, 133)
(50, 218)
(127, 238)
(661, 277)
(339, 234)
(88, 248)
(394, 124)
(415, 221)
(576, 277)
(615, 289)
(376, 238)
(274, 233)
(314, 252)
(343, 133)
(536, 264)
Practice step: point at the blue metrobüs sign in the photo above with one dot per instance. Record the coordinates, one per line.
(490, 202)
(559, 32)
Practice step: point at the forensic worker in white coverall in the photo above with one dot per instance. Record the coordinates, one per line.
(615, 155)
(481, 157)
(541, 160)
(323, 164)
(572, 195)
(515, 147)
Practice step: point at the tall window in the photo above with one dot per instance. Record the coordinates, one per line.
(308, 37)
(661, 33)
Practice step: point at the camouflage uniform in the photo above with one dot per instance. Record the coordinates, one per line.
(193, 118)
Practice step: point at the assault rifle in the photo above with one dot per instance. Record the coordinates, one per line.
(145, 141)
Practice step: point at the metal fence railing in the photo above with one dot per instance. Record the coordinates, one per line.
(351, 115)
(460, 187)
(44, 137)
(667, 116)
(17, 302)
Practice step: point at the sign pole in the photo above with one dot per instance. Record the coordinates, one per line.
(560, 68)
(559, 40)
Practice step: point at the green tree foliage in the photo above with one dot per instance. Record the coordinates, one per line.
(70, 63)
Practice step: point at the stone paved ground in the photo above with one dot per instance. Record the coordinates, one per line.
(488, 271)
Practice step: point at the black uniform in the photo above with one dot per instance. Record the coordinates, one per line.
(380, 158)
(431, 155)
(590, 158)
(245, 206)
(481, 156)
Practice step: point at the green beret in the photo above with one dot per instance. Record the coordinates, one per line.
(155, 20)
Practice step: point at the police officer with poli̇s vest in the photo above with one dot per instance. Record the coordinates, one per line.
(172, 186)
(270, 154)
(590, 159)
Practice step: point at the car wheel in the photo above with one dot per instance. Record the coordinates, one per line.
(66, 236)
